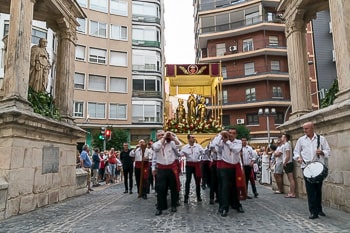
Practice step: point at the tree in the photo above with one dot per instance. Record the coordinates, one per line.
(118, 137)
(330, 95)
(242, 131)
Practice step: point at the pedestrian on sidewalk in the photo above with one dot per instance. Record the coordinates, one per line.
(85, 163)
(310, 148)
(288, 164)
(95, 167)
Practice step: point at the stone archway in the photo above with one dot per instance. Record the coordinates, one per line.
(333, 121)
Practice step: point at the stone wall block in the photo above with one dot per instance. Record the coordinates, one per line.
(67, 176)
(17, 160)
(54, 196)
(12, 207)
(56, 179)
(5, 159)
(28, 158)
(66, 192)
(37, 159)
(335, 177)
(42, 199)
(40, 182)
(346, 177)
(28, 203)
(21, 182)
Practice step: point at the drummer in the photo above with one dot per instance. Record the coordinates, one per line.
(310, 149)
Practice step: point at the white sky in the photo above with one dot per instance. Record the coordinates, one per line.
(179, 32)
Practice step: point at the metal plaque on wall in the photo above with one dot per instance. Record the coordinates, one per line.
(50, 158)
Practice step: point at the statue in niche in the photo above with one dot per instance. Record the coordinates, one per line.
(180, 111)
(202, 110)
(39, 66)
(191, 107)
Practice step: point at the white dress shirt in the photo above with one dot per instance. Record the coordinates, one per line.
(247, 155)
(231, 151)
(164, 153)
(192, 153)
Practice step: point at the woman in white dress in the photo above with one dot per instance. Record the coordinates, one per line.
(265, 167)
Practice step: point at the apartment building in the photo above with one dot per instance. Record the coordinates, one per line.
(119, 67)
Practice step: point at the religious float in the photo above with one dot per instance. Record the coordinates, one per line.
(193, 101)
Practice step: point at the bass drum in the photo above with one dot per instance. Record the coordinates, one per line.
(315, 172)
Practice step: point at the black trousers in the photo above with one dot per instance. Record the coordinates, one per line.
(206, 174)
(229, 195)
(128, 176)
(189, 172)
(214, 182)
(145, 186)
(248, 173)
(165, 180)
(314, 196)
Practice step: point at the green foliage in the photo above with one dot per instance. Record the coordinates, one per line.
(43, 104)
(242, 131)
(330, 95)
(118, 137)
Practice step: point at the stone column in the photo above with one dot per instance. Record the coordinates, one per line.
(298, 68)
(339, 10)
(64, 86)
(16, 79)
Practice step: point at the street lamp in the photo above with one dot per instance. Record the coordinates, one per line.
(267, 112)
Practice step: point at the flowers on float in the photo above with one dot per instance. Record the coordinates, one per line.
(195, 125)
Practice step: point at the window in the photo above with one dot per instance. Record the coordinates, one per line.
(97, 110)
(118, 32)
(119, 7)
(224, 96)
(78, 109)
(275, 66)
(37, 34)
(6, 28)
(250, 94)
(97, 83)
(80, 53)
(118, 58)
(149, 84)
(98, 29)
(248, 45)
(97, 55)
(144, 33)
(273, 41)
(224, 72)
(249, 68)
(277, 92)
(118, 85)
(220, 49)
(252, 18)
(252, 119)
(99, 5)
(79, 81)
(226, 120)
(279, 118)
(145, 9)
(82, 3)
(82, 27)
(146, 60)
(146, 111)
(117, 111)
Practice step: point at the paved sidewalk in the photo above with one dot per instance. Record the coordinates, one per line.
(108, 209)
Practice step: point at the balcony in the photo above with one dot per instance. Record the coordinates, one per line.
(232, 3)
(146, 68)
(146, 43)
(147, 120)
(147, 94)
(145, 19)
(258, 103)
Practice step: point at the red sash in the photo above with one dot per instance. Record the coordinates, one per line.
(146, 165)
(240, 182)
(175, 170)
(197, 167)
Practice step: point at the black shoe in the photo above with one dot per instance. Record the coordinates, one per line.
(256, 194)
(249, 197)
(321, 213)
(313, 216)
(211, 202)
(220, 210)
(126, 191)
(144, 196)
(240, 209)
(199, 199)
(224, 213)
(158, 212)
(203, 187)
(173, 209)
(130, 192)
(186, 200)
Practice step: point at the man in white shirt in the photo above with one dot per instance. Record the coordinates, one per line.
(248, 161)
(193, 153)
(306, 151)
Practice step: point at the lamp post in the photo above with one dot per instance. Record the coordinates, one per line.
(267, 112)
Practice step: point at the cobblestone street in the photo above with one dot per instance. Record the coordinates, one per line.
(108, 209)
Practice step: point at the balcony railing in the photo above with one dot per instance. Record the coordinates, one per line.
(282, 100)
(256, 71)
(242, 46)
(146, 67)
(240, 24)
(220, 4)
(147, 94)
(145, 19)
(146, 43)
(143, 120)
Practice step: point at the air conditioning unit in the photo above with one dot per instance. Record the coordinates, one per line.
(240, 121)
(232, 48)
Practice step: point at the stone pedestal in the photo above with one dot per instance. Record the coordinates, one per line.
(37, 161)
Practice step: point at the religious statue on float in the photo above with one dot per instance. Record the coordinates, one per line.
(180, 111)
(202, 110)
(191, 107)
